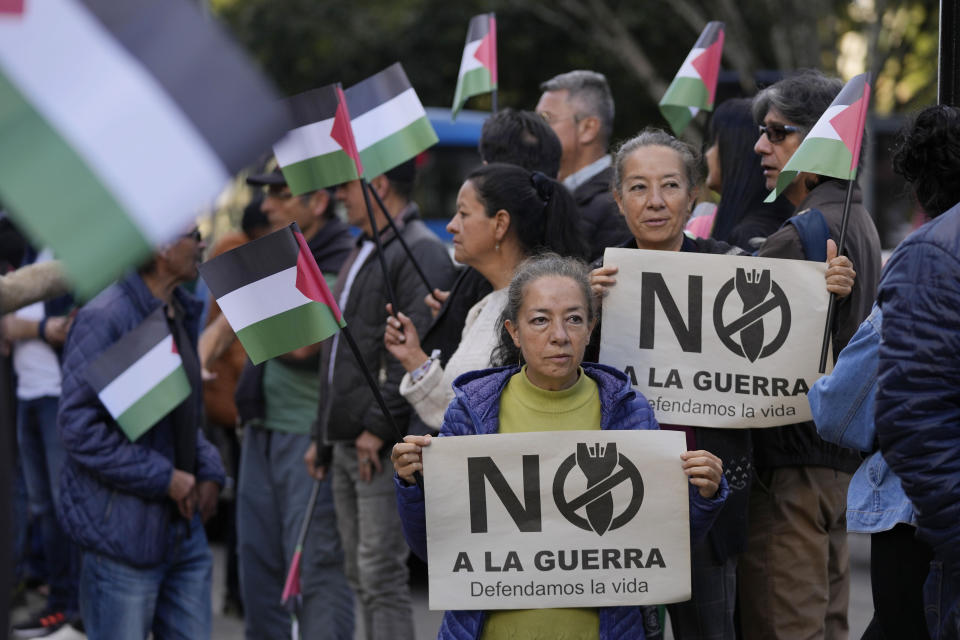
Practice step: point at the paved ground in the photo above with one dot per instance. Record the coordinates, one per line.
(427, 622)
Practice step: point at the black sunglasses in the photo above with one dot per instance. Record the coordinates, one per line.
(777, 133)
(194, 235)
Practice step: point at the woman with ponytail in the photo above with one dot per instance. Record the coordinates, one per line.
(504, 215)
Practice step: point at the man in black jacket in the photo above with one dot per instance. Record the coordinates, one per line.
(350, 418)
(579, 107)
(277, 402)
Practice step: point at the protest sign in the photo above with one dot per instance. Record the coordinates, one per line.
(716, 340)
(559, 519)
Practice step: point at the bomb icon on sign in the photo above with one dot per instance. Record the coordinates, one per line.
(761, 299)
(604, 470)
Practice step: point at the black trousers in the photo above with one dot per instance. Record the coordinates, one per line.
(899, 564)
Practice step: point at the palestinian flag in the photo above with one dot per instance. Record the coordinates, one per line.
(140, 378)
(273, 294)
(832, 148)
(695, 85)
(389, 123)
(122, 120)
(320, 151)
(478, 68)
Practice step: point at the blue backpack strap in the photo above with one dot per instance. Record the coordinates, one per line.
(812, 228)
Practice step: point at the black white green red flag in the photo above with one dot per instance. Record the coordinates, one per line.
(320, 151)
(273, 294)
(695, 85)
(478, 67)
(390, 124)
(140, 378)
(127, 119)
(832, 148)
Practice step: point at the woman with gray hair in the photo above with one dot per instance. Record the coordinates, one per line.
(548, 317)
(794, 575)
(656, 185)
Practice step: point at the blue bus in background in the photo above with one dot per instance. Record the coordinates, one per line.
(442, 168)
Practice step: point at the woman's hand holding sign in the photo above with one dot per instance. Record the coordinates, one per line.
(406, 456)
(704, 470)
(601, 279)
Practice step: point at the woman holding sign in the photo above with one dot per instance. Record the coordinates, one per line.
(549, 315)
(656, 185)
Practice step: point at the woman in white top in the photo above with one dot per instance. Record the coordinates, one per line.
(504, 214)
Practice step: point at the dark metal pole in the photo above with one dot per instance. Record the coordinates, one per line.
(832, 305)
(403, 243)
(948, 75)
(376, 392)
(376, 238)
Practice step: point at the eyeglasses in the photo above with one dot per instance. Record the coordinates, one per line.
(193, 235)
(777, 133)
(551, 119)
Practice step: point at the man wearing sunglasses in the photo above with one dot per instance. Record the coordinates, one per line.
(794, 576)
(136, 508)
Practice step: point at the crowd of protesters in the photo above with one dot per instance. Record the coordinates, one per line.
(119, 524)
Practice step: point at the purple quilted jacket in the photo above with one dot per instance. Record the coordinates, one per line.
(475, 410)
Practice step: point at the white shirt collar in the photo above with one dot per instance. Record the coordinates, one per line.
(577, 178)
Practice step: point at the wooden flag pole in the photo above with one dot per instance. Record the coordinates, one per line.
(376, 238)
(376, 392)
(403, 243)
(832, 305)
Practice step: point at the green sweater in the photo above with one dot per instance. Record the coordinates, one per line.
(525, 407)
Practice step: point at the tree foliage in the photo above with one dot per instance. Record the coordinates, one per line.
(639, 45)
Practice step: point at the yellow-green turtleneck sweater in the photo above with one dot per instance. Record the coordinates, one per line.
(525, 407)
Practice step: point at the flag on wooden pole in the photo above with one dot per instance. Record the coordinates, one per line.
(120, 122)
(273, 294)
(695, 85)
(478, 67)
(320, 151)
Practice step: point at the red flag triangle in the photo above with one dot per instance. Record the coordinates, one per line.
(174, 349)
(707, 65)
(486, 53)
(849, 124)
(342, 132)
(310, 281)
(12, 6)
(291, 586)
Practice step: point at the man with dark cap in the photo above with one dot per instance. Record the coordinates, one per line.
(277, 402)
(220, 383)
(362, 436)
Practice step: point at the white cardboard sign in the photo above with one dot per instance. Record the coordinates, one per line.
(716, 340)
(557, 519)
